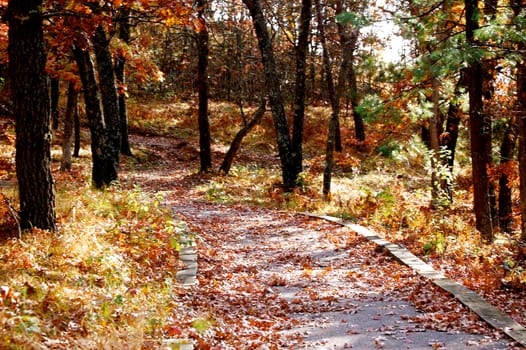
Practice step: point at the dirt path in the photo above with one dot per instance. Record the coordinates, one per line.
(273, 280)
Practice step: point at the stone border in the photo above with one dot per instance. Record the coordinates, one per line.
(468, 298)
(188, 256)
(188, 276)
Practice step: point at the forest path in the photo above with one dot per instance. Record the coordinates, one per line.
(270, 279)
(320, 286)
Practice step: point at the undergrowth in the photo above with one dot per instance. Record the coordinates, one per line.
(105, 280)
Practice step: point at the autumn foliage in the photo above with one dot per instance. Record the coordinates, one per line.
(107, 277)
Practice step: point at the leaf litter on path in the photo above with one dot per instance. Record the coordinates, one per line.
(273, 280)
(270, 279)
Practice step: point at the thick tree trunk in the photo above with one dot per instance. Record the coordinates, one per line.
(69, 121)
(274, 92)
(205, 152)
(299, 103)
(480, 131)
(236, 142)
(120, 75)
(104, 166)
(29, 84)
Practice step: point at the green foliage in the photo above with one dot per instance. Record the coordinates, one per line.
(371, 108)
(356, 19)
(389, 148)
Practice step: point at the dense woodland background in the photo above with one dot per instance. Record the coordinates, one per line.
(407, 116)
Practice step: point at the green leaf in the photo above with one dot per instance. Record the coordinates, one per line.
(356, 19)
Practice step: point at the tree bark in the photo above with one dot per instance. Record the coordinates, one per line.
(359, 126)
(104, 166)
(69, 121)
(521, 90)
(329, 157)
(333, 122)
(517, 7)
(348, 44)
(299, 103)
(31, 106)
(236, 142)
(450, 136)
(55, 95)
(110, 103)
(434, 145)
(506, 156)
(76, 124)
(205, 152)
(480, 130)
(274, 92)
(120, 75)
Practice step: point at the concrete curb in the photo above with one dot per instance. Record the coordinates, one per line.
(188, 276)
(468, 298)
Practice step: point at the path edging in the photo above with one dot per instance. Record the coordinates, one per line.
(467, 297)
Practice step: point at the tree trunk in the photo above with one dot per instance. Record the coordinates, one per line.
(348, 44)
(506, 156)
(236, 142)
(449, 138)
(325, 56)
(517, 7)
(76, 123)
(205, 152)
(521, 90)
(55, 95)
(110, 102)
(299, 103)
(329, 157)
(333, 122)
(69, 121)
(480, 131)
(120, 75)
(30, 94)
(359, 126)
(104, 167)
(436, 183)
(274, 92)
